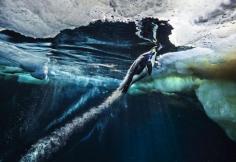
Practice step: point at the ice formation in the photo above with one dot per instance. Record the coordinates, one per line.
(210, 74)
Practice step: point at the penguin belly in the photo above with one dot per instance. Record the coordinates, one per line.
(140, 76)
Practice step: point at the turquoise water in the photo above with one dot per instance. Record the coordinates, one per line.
(84, 66)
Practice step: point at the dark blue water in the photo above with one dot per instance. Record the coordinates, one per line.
(85, 65)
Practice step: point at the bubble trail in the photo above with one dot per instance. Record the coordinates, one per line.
(45, 147)
(72, 109)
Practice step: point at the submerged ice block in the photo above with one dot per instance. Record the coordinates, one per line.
(13, 56)
(209, 74)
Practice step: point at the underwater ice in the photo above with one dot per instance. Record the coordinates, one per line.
(12, 56)
(210, 74)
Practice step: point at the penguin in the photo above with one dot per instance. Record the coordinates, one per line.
(140, 68)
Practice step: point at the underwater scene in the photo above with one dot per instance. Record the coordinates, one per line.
(117, 81)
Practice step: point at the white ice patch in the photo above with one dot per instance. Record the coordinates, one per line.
(46, 18)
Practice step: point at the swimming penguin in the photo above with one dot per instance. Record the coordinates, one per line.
(141, 67)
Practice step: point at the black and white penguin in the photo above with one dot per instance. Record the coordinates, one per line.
(141, 67)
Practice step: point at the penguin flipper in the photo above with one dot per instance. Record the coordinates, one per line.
(149, 67)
